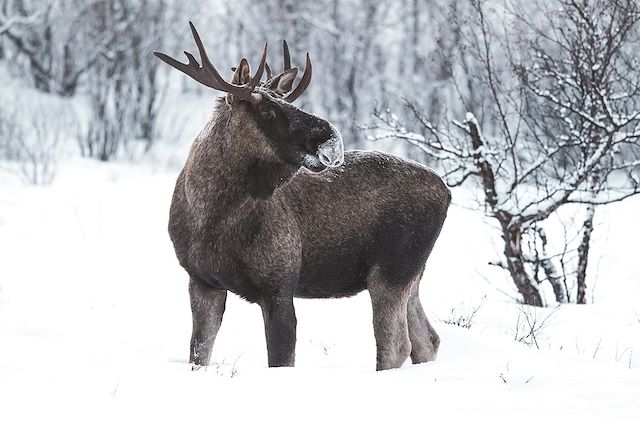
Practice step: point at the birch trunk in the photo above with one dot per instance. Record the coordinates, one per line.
(515, 262)
(583, 255)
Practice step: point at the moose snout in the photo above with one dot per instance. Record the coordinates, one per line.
(331, 152)
(328, 161)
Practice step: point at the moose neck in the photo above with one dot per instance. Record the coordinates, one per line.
(232, 166)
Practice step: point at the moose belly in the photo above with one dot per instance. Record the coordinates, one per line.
(334, 272)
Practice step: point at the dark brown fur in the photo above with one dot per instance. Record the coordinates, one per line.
(247, 218)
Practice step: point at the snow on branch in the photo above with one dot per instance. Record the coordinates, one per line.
(7, 22)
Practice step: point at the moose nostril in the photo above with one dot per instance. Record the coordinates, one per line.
(324, 159)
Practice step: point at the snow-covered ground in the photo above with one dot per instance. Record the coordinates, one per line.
(95, 324)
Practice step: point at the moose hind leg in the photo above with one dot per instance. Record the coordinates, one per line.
(207, 308)
(280, 330)
(424, 339)
(389, 303)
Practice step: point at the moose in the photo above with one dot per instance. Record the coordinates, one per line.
(270, 207)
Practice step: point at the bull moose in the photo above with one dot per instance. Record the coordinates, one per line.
(269, 206)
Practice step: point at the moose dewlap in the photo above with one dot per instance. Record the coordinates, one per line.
(269, 206)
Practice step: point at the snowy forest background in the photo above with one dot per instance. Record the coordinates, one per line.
(532, 106)
(529, 110)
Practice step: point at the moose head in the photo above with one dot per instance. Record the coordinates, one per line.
(296, 137)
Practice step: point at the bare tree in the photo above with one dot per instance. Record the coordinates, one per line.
(9, 133)
(583, 67)
(11, 17)
(50, 41)
(100, 47)
(123, 85)
(524, 171)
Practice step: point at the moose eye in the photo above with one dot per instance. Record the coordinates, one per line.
(268, 114)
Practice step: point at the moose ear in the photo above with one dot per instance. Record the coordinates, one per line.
(282, 83)
(242, 74)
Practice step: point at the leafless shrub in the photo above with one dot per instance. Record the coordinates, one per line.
(529, 326)
(505, 377)
(221, 368)
(30, 142)
(596, 349)
(463, 316)
(620, 354)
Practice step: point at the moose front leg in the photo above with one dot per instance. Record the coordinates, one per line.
(280, 330)
(207, 308)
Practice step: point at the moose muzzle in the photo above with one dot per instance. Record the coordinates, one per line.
(331, 152)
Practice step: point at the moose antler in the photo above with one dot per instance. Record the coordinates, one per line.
(209, 76)
(306, 77)
(287, 57)
(267, 68)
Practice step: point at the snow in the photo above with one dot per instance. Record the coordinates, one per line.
(95, 326)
